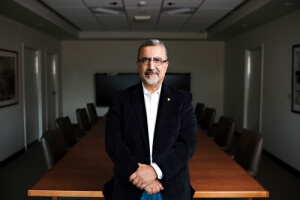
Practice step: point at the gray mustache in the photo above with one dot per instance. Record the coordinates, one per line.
(147, 72)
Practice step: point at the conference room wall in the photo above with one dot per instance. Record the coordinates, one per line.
(280, 126)
(82, 59)
(14, 36)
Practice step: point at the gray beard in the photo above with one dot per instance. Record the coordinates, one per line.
(152, 80)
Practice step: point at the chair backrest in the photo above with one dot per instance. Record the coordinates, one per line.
(92, 112)
(223, 134)
(249, 150)
(199, 111)
(54, 146)
(83, 119)
(65, 125)
(208, 119)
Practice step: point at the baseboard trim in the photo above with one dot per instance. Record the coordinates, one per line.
(15, 155)
(282, 163)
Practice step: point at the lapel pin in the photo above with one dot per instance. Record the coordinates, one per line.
(169, 99)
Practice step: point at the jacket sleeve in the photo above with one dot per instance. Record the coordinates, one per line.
(124, 163)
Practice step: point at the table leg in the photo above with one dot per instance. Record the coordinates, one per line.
(54, 198)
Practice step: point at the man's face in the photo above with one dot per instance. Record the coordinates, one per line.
(152, 66)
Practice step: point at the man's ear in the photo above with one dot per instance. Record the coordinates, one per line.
(167, 66)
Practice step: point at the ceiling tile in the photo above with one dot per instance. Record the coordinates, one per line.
(73, 11)
(145, 11)
(104, 3)
(204, 18)
(222, 3)
(210, 13)
(180, 3)
(87, 22)
(64, 3)
(171, 22)
(149, 4)
(114, 23)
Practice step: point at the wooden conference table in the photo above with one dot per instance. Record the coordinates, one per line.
(83, 171)
(214, 174)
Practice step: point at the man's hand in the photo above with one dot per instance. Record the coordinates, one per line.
(143, 176)
(154, 187)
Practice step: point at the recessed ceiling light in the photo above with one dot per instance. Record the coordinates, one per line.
(142, 17)
(142, 3)
(106, 11)
(178, 11)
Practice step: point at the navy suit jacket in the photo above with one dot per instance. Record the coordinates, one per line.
(175, 140)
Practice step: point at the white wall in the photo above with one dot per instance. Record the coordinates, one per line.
(12, 36)
(280, 126)
(82, 59)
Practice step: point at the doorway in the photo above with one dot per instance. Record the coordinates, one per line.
(52, 94)
(253, 88)
(32, 97)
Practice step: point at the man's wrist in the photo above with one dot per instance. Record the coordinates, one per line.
(158, 171)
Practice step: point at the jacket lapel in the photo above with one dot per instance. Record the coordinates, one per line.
(162, 113)
(138, 105)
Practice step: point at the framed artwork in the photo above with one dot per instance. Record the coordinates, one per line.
(296, 79)
(8, 77)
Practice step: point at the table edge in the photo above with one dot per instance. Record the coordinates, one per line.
(231, 194)
(64, 193)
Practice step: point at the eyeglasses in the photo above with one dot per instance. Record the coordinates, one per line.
(156, 61)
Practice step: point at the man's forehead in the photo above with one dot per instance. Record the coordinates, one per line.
(153, 49)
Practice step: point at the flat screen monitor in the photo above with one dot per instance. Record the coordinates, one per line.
(107, 84)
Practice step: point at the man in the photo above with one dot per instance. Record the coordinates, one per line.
(151, 134)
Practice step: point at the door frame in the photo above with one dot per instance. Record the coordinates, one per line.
(55, 80)
(246, 85)
(38, 88)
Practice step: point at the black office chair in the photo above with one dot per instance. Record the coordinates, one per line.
(208, 119)
(92, 113)
(67, 129)
(249, 150)
(223, 133)
(54, 146)
(199, 111)
(83, 120)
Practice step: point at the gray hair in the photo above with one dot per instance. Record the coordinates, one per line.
(152, 42)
